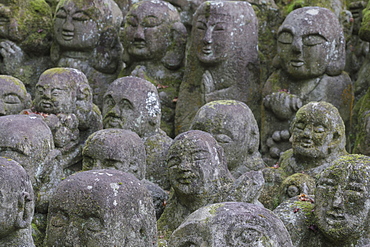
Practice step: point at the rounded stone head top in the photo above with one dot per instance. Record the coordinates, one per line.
(153, 31)
(311, 43)
(101, 208)
(17, 198)
(13, 96)
(117, 149)
(224, 30)
(342, 200)
(318, 131)
(59, 89)
(233, 125)
(196, 164)
(132, 103)
(231, 224)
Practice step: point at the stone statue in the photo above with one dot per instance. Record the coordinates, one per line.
(116, 149)
(199, 176)
(63, 98)
(25, 35)
(231, 224)
(234, 127)
(310, 60)
(318, 138)
(16, 205)
(132, 103)
(122, 150)
(222, 60)
(338, 213)
(361, 125)
(13, 96)
(101, 208)
(154, 42)
(86, 37)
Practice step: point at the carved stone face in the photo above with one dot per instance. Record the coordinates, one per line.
(13, 96)
(55, 94)
(212, 33)
(101, 208)
(147, 29)
(343, 198)
(231, 224)
(233, 126)
(306, 42)
(75, 24)
(315, 128)
(14, 182)
(115, 149)
(131, 103)
(192, 162)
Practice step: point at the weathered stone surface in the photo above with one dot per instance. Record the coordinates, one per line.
(133, 103)
(25, 39)
(154, 41)
(101, 208)
(86, 37)
(222, 60)
(13, 96)
(231, 224)
(311, 58)
(16, 205)
(233, 125)
(361, 125)
(199, 176)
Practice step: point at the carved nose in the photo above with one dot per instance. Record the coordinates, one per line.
(338, 198)
(207, 39)
(139, 33)
(307, 131)
(297, 45)
(67, 25)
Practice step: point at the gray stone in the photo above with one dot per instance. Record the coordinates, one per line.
(310, 61)
(86, 37)
(17, 205)
(13, 96)
(234, 127)
(132, 103)
(101, 208)
(222, 60)
(231, 224)
(154, 41)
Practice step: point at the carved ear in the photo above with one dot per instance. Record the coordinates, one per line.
(84, 92)
(176, 50)
(336, 60)
(25, 210)
(27, 101)
(336, 144)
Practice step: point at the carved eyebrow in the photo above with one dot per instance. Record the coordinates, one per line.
(12, 149)
(286, 29)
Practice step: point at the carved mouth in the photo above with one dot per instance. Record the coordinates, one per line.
(297, 63)
(114, 122)
(139, 44)
(67, 36)
(306, 143)
(207, 50)
(186, 177)
(46, 104)
(334, 218)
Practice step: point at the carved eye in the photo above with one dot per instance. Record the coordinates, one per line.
(201, 25)
(173, 161)
(130, 20)
(285, 38)
(80, 16)
(300, 126)
(220, 27)
(109, 101)
(326, 182)
(313, 39)
(222, 138)
(12, 99)
(319, 129)
(94, 224)
(59, 221)
(61, 14)
(56, 92)
(126, 105)
(40, 90)
(88, 162)
(151, 21)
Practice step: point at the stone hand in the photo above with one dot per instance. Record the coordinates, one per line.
(13, 57)
(283, 104)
